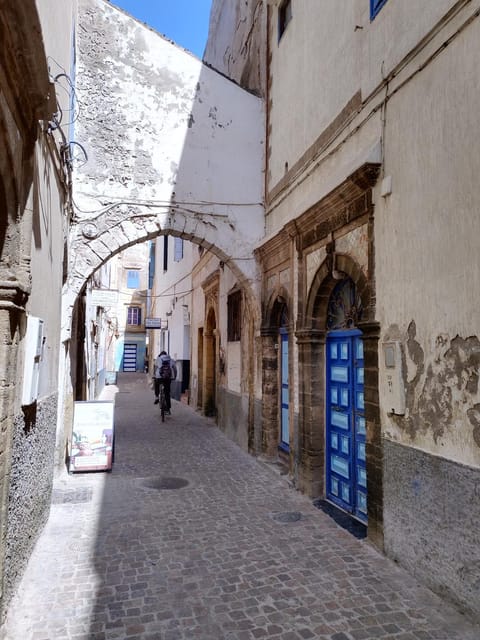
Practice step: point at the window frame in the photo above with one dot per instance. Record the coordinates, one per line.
(234, 316)
(133, 274)
(151, 266)
(285, 15)
(375, 7)
(178, 249)
(165, 254)
(138, 313)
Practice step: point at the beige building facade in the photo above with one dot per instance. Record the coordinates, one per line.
(321, 167)
(371, 261)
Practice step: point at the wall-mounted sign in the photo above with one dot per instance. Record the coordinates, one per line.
(91, 448)
(104, 297)
(153, 323)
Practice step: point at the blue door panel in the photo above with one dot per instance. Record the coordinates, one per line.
(284, 416)
(346, 471)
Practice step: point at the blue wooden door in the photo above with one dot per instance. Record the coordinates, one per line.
(284, 409)
(130, 357)
(346, 475)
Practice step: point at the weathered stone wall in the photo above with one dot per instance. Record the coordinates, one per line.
(30, 486)
(236, 43)
(232, 413)
(33, 194)
(432, 511)
(159, 129)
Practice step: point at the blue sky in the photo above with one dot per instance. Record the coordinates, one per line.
(183, 21)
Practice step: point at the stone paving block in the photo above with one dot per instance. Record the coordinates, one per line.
(211, 559)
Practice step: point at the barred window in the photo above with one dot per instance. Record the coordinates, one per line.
(234, 305)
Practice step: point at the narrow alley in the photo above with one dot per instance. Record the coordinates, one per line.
(191, 538)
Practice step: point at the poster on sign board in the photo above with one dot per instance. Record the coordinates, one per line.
(92, 441)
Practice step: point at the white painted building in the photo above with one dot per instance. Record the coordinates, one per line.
(171, 305)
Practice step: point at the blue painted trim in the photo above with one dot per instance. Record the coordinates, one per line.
(351, 337)
(375, 6)
(341, 333)
(283, 446)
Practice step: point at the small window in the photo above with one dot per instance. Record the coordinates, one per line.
(151, 266)
(234, 305)
(375, 6)
(133, 279)
(134, 316)
(284, 16)
(178, 250)
(165, 253)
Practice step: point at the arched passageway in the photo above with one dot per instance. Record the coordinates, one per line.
(210, 364)
(158, 129)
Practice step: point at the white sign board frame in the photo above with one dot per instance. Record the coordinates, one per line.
(104, 297)
(91, 446)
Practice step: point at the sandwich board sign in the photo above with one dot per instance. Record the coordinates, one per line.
(91, 447)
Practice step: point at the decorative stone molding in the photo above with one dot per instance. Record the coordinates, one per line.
(13, 296)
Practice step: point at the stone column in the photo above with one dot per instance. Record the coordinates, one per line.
(270, 394)
(374, 445)
(311, 463)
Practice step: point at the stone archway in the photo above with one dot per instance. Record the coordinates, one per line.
(210, 364)
(278, 308)
(170, 147)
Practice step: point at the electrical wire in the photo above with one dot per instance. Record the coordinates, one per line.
(187, 202)
(165, 204)
(72, 96)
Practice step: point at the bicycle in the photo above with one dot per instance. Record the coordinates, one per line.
(163, 402)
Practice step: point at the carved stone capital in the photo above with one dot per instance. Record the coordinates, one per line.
(13, 295)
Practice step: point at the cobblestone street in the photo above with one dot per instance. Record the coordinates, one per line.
(191, 538)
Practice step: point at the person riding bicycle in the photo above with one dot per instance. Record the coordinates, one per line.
(164, 371)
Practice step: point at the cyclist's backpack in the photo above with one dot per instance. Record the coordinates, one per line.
(165, 370)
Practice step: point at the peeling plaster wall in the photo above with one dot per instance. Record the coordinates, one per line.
(428, 278)
(427, 267)
(400, 91)
(160, 127)
(236, 42)
(442, 393)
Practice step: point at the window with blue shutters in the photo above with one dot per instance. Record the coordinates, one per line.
(178, 250)
(133, 279)
(151, 266)
(375, 6)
